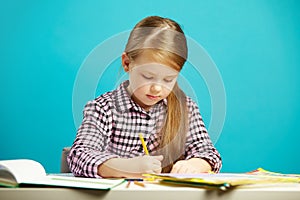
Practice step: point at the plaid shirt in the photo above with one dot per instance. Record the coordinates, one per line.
(110, 129)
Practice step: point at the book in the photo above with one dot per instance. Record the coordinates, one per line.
(225, 181)
(25, 172)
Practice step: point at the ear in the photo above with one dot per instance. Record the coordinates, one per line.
(125, 61)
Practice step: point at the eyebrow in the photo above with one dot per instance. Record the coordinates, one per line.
(167, 76)
(172, 76)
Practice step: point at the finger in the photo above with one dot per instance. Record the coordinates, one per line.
(157, 170)
(176, 168)
(160, 157)
(185, 170)
(150, 171)
(157, 162)
(194, 172)
(181, 169)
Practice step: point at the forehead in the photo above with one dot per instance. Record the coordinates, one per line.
(156, 56)
(155, 68)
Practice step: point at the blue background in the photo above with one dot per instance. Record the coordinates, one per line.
(255, 45)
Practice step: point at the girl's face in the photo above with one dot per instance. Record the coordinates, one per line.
(150, 82)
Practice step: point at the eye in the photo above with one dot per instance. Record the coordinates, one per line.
(147, 77)
(168, 80)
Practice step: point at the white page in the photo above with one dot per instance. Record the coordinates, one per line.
(31, 172)
(78, 182)
(24, 170)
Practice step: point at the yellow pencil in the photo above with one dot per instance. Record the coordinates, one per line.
(144, 144)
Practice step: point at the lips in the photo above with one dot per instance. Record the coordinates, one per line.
(152, 97)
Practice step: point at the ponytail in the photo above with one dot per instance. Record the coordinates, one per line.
(173, 133)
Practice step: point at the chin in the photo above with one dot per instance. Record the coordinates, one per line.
(148, 104)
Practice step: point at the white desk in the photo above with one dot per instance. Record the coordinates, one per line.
(153, 192)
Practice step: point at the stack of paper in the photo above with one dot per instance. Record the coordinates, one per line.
(224, 181)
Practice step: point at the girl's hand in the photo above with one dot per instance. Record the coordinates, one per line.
(130, 167)
(191, 166)
(144, 164)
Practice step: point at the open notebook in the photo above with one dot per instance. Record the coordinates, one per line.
(24, 172)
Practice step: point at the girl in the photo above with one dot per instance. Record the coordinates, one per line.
(150, 102)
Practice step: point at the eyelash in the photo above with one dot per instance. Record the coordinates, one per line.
(150, 77)
(147, 77)
(168, 80)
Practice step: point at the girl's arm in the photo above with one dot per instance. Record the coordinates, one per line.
(88, 149)
(200, 151)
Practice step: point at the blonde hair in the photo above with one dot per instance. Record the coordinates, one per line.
(164, 39)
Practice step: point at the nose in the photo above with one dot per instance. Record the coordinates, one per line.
(155, 88)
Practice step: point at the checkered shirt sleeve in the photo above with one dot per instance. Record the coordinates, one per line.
(198, 144)
(88, 150)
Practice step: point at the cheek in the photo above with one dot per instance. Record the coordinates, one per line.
(140, 90)
(137, 82)
(168, 86)
(166, 92)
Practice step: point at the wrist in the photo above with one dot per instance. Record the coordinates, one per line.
(109, 168)
(116, 168)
